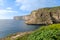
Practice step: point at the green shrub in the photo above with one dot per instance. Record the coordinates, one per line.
(51, 32)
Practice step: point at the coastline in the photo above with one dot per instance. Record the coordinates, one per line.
(15, 35)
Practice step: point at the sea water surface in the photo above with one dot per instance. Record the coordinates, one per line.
(10, 26)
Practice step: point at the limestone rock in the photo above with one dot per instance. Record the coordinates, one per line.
(44, 16)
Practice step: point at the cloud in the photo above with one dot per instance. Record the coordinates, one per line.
(1, 2)
(25, 8)
(4, 14)
(27, 4)
(4, 17)
(35, 4)
(9, 8)
(7, 11)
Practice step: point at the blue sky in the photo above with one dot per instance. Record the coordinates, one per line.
(11, 8)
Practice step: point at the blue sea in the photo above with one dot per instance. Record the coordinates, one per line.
(10, 26)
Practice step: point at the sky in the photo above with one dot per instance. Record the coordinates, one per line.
(11, 8)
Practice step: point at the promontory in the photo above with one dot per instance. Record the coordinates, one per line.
(44, 16)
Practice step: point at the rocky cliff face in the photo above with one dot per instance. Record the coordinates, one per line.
(44, 16)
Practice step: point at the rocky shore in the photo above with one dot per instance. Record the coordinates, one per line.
(16, 35)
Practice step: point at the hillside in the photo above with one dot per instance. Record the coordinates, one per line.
(50, 32)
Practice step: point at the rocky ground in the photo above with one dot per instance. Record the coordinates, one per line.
(14, 36)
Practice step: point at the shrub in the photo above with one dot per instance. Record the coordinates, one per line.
(51, 32)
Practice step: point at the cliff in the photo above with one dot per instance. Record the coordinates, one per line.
(18, 18)
(44, 16)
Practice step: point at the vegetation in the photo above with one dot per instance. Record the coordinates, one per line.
(51, 32)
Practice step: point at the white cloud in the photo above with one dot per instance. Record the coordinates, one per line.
(3, 17)
(30, 4)
(7, 11)
(9, 8)
(6, 17)
(25, 7)
(34, 4)
(27, 4)
(4, 14)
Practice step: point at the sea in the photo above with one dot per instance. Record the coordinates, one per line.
(10, 26)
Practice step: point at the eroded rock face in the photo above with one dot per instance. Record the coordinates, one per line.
(55, 15)
(43, 16)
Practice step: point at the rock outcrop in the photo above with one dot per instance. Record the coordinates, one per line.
(44, 16)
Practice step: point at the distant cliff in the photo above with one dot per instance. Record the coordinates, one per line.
(18, 18)
(44, 16)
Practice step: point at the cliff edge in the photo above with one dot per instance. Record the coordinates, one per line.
(44, 16)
